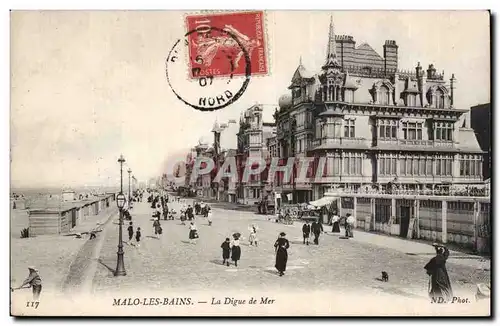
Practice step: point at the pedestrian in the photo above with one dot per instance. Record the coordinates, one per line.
(252, 238)
(439, 281)
(349, 225)
(138, 237)
(316, 229)
(281, 246)
(193, 233)
(335, 223)
(35, 282)
(190, 214)
(226, 249)
(306, 232)
(209, 217)
(156, 225)
(235, 249)
(130, 230)
(183, 216)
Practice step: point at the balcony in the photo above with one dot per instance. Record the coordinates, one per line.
(341, 142)
(440, 191)
(415, 143)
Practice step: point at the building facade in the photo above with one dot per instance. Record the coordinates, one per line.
(374, 124)
(481, 123)
(253, 138)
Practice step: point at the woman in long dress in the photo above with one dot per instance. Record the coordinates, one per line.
(193, 233)
(335, 223)
(235, 250)
(440, 285)
(281, 245)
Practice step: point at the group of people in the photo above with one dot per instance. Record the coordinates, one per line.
(439, 282)
(231, 248)
(130, 230)
(349, 223)
(316, 228)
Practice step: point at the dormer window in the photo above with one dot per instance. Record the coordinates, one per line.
(382, 92)
(384, 95)
(411, 100)
(437, 97)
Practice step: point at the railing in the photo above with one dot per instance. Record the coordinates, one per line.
(404, 142)
(471, 192)
(339, 141)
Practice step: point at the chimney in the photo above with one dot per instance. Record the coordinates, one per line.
(390, 56)
(452, 87)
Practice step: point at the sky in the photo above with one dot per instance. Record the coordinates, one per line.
(87, 86)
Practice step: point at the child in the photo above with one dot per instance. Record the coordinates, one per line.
(209, 217)
(138, 236)
(226, 249)
(253, 235)
(130, 232)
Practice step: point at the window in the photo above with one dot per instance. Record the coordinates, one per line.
(384, 95)
(387, 165)
(470, 165)
(348, 96)
(412, 130)
(444, 165)
(415, 165)
(388, 129)
(353, 163)
(411, 100)
(440, 99)
(443, 131)
(333, 166)
(349, 128)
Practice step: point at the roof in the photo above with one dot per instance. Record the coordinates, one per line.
(411, 87)
(329, 112)
(302, 73)
(349, 82)
(468, 141)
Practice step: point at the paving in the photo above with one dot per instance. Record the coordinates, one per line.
(62, 261)
(171, 262)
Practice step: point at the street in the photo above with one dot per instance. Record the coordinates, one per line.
(346, 265)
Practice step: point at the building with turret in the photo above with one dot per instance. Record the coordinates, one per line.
(252, 143)
(375, 124)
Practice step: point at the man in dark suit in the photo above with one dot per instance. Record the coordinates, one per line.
(316, 229)
(306, 231)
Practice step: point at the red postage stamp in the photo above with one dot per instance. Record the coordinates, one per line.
(227, 44)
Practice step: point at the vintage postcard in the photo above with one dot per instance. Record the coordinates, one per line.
(250, 163)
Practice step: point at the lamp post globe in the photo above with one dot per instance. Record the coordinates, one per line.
(120, 201)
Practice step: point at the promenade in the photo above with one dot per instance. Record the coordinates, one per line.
(171, 262)
(53, 255)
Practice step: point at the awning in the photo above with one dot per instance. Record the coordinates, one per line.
(323, 201)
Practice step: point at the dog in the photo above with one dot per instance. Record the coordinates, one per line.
(385, 276)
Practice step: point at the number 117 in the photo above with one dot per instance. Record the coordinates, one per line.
(32, 304)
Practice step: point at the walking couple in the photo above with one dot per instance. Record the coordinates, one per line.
(231, 248)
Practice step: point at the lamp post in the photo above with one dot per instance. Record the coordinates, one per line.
(120, 202)
(129, 194)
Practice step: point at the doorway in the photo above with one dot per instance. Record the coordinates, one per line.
(73, 218)
(405, 214)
